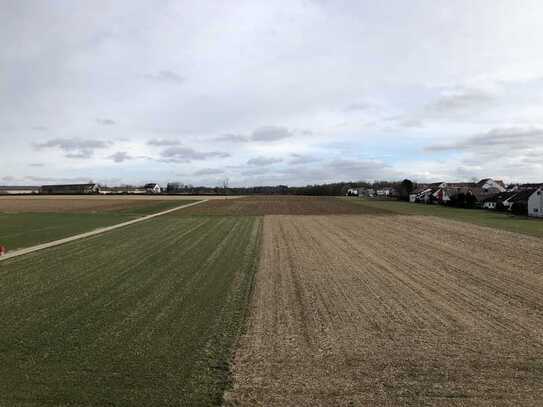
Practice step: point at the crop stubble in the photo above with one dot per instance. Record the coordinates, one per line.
(373, 310)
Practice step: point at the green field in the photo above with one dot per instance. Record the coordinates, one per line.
(19, 230)
(145, 315)
(493, 219)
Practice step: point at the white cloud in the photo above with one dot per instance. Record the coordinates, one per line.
(369, 85)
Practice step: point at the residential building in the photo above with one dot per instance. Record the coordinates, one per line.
(535, 203)
(496, 201)
(152, 188)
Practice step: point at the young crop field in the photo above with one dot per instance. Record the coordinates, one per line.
(493, 219)
(39, 221)
(145, 315)
(399, 310)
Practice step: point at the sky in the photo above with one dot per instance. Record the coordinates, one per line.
(270, 92)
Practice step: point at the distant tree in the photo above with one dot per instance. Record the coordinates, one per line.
(406, 187)
(471, 200)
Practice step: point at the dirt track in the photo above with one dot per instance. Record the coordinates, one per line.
(373, 310)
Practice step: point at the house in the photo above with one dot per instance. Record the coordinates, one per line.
(535, 203)
(70, 189)
(369, 192)
(152, 188)
(352, 192)
(428, 195)
(518, 203)
(488, 185)
(19, 190)
(386, 193)
(496, 201)
(475, 192)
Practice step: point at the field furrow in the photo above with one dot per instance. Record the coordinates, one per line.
(375, 310)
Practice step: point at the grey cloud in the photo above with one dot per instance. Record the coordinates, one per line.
(330, 171)
(163, 142)
(299, 159)
(39, 128)
(74, 147)
(208, 171)
(57, 179)
(36, 165)
(463, 99)
(232, 138)
(166, 76)
(120, 156)
(513, 138)
(256, 171)
(106, 122)
(263, 161)
(270, 133)
(187, 154)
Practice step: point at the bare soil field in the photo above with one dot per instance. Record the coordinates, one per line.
(281, 205)
(77, 204)
(395, 310)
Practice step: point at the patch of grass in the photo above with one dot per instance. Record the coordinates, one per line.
(19, 230)
(144, 315)
(493, 219)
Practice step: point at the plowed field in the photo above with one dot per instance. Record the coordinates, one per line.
(374, 310)
(281, 205)
(83, 204)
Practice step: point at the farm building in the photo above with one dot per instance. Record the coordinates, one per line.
(19, 190)
(70, 189)
(152, 188)
(535, 203)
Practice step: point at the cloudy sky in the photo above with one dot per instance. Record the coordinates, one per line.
(269, 92)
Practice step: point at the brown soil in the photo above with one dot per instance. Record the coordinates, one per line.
(72, 204)
(374, 310)
(281, 205)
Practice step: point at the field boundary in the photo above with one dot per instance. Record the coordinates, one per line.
(59, 242)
